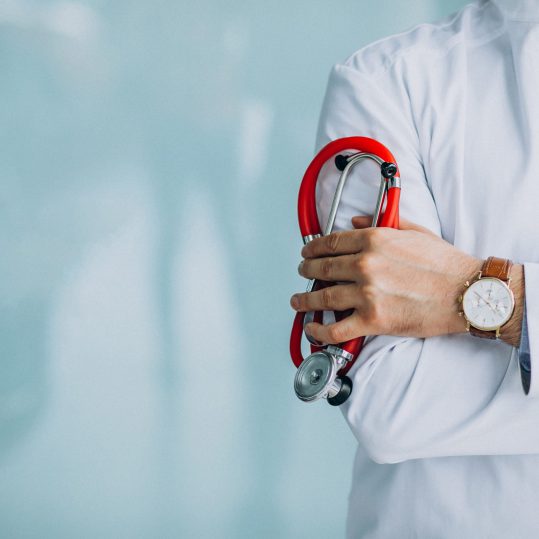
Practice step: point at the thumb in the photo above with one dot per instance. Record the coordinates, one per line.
(365, 221)
(404, 224)
(362, 221)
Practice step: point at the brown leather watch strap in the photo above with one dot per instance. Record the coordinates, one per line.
(482, 333)
(501, 269)
(497, 267)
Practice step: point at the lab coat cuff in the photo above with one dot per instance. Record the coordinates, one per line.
(524, 360)
(529, 345)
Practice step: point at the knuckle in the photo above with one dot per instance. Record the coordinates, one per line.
(374, 237)
(327, 298)
(335, 334)
(369, 294)
(364, 264)
(326, 268)
(333, 242)
(369, 238)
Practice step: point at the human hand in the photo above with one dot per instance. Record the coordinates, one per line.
(398, 282)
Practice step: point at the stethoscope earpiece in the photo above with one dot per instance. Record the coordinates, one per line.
(388, 170)
(341, 161)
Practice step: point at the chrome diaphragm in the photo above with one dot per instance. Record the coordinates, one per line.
(316, 378)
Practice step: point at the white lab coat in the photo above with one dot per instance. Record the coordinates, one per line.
(448, 440)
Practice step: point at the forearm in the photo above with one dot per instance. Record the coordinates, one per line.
(450, 395)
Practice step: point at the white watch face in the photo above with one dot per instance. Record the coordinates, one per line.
(488, 303)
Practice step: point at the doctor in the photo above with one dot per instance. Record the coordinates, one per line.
(447, 419)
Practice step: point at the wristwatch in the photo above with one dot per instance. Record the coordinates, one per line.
(488, 302)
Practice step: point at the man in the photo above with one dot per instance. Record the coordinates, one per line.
(447, 421)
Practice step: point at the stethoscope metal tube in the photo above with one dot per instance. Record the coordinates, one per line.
(323, 373)
(349, 163)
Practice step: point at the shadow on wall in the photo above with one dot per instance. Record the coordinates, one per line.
(50, 204)
(93, 118)
(158, 150)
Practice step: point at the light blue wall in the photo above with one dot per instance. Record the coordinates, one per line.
(150, 154)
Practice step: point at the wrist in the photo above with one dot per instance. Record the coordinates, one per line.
(468, 273)
(510, 331)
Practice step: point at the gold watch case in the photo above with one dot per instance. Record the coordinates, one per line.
(470, 289)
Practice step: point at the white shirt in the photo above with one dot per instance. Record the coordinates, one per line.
(448, 440)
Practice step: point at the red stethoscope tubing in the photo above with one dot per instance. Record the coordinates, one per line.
(309, 224)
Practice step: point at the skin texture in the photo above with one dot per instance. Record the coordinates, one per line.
(398, 282)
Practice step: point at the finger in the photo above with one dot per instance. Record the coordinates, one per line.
(330, 268)
(336, 243)
(338, 332)
(331, 298)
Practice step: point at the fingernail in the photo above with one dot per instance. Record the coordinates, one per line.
(299, 266)
(294, 302)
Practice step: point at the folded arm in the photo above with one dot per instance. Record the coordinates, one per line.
(416, 397)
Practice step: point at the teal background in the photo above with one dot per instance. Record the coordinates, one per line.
(150, 155)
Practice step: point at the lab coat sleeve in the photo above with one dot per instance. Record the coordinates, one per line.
(417, 398)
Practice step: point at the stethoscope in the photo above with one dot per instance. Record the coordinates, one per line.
(323, 373)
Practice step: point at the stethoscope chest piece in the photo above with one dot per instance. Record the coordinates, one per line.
(316, 378)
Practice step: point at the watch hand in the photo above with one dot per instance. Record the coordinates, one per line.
(485, 300)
